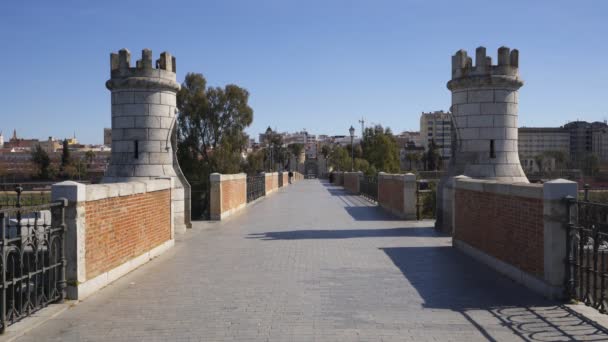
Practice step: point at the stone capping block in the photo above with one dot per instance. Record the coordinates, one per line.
(217, 177)
(78, 192)
(72, 191)
(557, 189)
(527, 190)
(408, 177)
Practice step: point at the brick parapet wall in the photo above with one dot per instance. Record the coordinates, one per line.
(397, 194)
(505, 226)
(272, 182)
(122, 228)
(516, 228)
(351, 181)
(112, 229)
(228, 194)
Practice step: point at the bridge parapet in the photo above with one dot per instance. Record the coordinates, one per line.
(228, 193)
(112, 229)
(516, 228)
(397, 194)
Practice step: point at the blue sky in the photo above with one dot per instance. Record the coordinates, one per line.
(318, 65)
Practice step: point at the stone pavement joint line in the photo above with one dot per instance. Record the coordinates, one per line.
(312, 263)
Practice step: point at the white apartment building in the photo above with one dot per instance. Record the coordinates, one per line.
(534, 141)
(437, 126)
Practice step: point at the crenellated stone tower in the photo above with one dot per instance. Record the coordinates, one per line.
(143, 125)
(484, 114)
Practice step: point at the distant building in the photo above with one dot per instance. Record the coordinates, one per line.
(586, 138)
(437, 126)
(19, 144)
(406, 138)
(535, 141)
(50, 145)
(107, 136)
(1, 140)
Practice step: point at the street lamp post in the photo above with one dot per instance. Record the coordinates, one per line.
(352, 150)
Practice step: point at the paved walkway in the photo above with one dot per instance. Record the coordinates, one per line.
(311, 263)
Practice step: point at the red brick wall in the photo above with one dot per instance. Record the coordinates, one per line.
(509, 228)
(390, 194)
(234, 193)
(351, 182)
(272, 182)
(121, 228)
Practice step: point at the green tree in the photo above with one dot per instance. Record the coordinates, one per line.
(296, 149)
(591, 164)
(90, 156)
(413, 158)
(65, 154)
(255, 162)
(539, 160)
(210, 132)
(380, 149)
(325, 150)
(339, 159)
(42, 161)
(433, 159)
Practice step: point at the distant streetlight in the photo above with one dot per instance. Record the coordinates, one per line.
(352, 150)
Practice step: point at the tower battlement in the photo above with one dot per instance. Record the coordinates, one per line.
(144, 74)
(121, 61)
(484, 71)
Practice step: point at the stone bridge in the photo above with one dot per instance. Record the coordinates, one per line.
(312, 262)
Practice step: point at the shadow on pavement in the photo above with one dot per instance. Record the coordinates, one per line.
(345, 233)
(447, 279)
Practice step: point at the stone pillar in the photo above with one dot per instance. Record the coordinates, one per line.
(409, 196)
(143, 125)
(555, 218)
(75, 217)
(484, 116)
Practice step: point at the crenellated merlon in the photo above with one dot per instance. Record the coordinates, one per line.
(121, 61)
(508, 63)
(484, 73)
(145, 75)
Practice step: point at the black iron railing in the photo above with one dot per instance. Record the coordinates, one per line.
(426, 195)
(8, 196)
(368, 186)
(33, 259)
(280, 179)
(256, 187)
(587, 252)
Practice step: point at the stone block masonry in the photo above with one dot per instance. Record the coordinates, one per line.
(484, 111)
(143, 125)
(397, 194)
(112, 229)
(516, 228)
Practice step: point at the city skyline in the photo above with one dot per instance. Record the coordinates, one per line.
(320, 66)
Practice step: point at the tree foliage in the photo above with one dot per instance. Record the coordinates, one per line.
(210, 132)
(380, 149)
(210, 125)
(65, 154)
(41, 159)
(433, 158)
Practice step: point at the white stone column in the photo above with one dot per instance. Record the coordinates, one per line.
(555, 218)
(409, 196)
(75, 220)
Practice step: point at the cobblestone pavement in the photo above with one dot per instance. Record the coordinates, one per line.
(311, 263)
